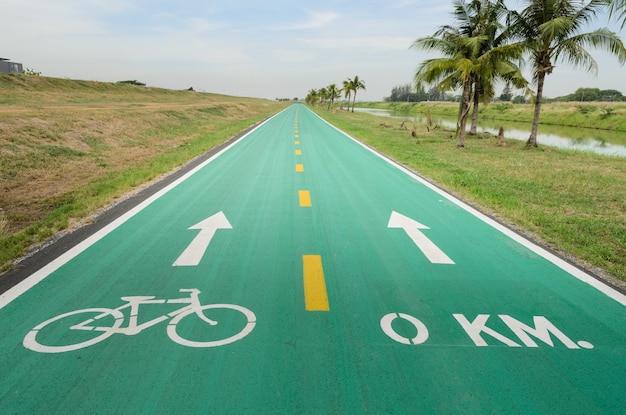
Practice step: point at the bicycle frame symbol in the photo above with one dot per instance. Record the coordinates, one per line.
(192, 306)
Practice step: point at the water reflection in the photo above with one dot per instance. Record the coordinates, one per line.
(580, 139)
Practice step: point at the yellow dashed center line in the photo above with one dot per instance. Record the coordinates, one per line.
(315, 297)
(305, 198)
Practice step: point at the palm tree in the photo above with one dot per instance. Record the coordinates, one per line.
(550, 31)
(333, 94)
(322, 94)
(312, 97)
(472, 20)
(347, 91)
(355, 85)
(453, 71)
(484, 18)
(475, 57)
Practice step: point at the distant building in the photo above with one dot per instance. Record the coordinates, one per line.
(10, 67)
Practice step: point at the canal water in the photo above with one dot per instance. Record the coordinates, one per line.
(608, 143)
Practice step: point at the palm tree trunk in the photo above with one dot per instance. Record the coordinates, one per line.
(354, 101)
(475, 113)
(532, 140)
(465, 107)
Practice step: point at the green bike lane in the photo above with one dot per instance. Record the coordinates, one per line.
(499, 330)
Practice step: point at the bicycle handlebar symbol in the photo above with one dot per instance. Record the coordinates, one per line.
(103, 330)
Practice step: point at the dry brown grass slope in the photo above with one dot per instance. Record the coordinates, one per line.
(69, 147)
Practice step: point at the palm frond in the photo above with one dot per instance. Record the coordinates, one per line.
(555, 29)
(603, 39)
(617, 10)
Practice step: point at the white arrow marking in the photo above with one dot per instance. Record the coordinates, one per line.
(412, 228)
(196, 249)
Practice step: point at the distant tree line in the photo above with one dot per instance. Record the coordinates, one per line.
(593, 94)
(328, 95)
(409, 93)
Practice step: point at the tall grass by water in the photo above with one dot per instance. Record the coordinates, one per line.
(602, 115)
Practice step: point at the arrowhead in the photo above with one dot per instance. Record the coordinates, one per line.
(397, 220)
(217, 221)
(412, 229)
(196, 249)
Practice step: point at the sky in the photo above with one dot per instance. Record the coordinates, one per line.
(266, 49)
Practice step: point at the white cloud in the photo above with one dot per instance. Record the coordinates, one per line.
(199, 25)
(292, 56)
(316, 20)
(108, 6)
(48, 18)
(370, 43)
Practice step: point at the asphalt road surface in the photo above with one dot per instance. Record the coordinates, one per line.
(298, 272)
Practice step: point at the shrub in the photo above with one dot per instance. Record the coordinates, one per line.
(585, 109)
(133, 82)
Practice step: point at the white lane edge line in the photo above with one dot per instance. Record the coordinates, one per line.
(542, 252)
(39, 275)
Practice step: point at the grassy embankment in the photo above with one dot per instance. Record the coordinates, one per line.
(575, 202)
(68, 148)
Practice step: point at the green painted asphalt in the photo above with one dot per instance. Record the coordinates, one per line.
(501, 330)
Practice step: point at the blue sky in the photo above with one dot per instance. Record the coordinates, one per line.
(266, 49)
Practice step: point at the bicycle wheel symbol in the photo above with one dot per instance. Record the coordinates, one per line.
(31, 342)
(249, 326)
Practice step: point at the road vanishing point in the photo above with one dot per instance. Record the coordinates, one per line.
(299, 272)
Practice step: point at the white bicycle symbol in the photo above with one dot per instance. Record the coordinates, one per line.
(116, 317)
